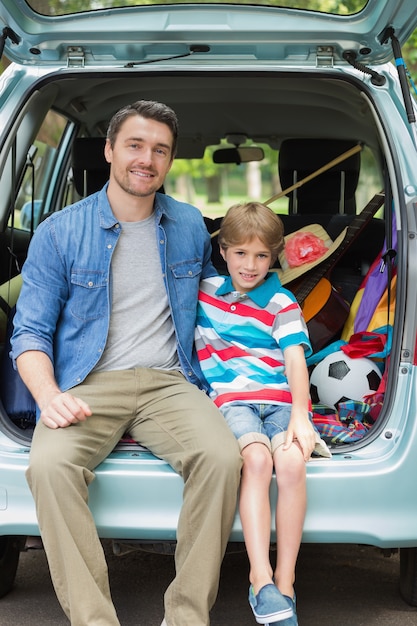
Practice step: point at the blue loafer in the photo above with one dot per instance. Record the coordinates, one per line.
(290, 621)
(269, 605)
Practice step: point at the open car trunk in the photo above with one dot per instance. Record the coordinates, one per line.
(331, 165)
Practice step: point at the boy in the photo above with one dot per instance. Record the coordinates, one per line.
(251, 340)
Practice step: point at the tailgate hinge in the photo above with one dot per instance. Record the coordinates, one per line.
(325, 56)
(76, 56)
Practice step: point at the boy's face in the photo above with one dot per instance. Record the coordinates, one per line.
(248, 264)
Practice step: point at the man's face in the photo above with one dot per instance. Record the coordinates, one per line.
(141, 156)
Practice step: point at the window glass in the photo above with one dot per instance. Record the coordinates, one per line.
(36, 180)
(213, 188)
(65, 7)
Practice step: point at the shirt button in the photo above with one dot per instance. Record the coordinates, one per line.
(90, 283)
(109, 246)
(190, 273)
(233, 307)
(162, 241)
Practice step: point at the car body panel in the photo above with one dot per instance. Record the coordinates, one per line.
(138, 497)
(143, 34)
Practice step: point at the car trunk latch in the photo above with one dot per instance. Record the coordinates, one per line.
(325, 56)
(76, 56)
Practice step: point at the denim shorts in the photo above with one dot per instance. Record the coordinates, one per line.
(263, 423)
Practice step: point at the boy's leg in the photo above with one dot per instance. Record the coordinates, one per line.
(244, 420)
(60, 470)
(291, 508)
(247, 421)
(255, 511)
(180, 424)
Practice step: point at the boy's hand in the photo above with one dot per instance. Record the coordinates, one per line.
(301, 431)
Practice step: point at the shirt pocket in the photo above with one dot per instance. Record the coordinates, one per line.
(186, 277)
(88, 298)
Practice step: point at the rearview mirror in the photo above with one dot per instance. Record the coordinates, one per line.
(238, 155)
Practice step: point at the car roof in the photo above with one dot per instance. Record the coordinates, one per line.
(216, 32)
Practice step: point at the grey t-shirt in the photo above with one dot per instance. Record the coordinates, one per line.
(141, 332)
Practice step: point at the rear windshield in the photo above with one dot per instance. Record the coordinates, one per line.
(66, 7)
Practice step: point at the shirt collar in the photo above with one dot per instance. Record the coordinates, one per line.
(261, 295)
(108, 219)
(163, 207)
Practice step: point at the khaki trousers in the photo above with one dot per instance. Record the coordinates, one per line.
(178, 423)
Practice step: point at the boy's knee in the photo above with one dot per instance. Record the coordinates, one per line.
(258, 459)
(291, 474)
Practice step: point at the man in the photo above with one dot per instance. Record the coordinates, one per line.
(105, 347)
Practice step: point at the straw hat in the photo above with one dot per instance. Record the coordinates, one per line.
(324, 247)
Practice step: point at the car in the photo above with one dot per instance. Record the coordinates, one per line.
(306, 110)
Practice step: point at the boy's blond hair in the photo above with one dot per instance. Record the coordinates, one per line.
(243, 222)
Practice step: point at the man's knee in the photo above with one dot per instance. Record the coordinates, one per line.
(53, 463)
(223, 456)
(44, 467)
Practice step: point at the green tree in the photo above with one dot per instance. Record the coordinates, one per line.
(410, 55)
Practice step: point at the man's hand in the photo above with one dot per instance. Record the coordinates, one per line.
(58, 409)
(64, 410)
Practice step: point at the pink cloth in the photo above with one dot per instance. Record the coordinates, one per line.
(304, 248)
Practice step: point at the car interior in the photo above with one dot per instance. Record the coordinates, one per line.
(307, 121)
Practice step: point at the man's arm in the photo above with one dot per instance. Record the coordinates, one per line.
(58, 409)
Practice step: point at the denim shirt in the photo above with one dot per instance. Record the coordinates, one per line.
(65, 302)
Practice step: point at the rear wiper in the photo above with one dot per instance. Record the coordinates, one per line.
(192, 50)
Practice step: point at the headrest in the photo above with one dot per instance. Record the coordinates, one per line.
(299, 158)
(90, 168)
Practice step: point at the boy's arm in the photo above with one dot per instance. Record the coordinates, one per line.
(300, 427)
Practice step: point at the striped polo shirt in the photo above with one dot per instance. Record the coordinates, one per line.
(241, 338)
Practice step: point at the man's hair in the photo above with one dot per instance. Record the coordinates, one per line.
(244, 222)
(149, 110)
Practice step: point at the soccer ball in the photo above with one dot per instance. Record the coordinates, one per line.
(338, 378)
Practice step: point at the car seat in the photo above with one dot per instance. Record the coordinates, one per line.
(331, 192)
(89, 166)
